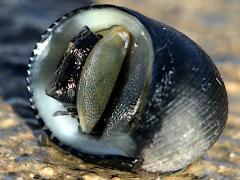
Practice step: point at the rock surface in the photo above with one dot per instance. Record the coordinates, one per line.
(212, 24)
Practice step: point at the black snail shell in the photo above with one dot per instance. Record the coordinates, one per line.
(141, 95)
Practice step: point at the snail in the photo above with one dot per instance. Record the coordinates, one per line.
(121, 90)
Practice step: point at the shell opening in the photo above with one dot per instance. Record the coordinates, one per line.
(134, 79)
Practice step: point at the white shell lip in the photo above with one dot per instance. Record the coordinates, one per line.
(69, 135)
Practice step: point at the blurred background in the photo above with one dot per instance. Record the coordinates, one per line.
(214, 25)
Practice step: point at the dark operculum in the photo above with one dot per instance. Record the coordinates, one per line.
(64, 85)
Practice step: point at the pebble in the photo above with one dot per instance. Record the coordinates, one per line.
(92, 177)
(47, 171)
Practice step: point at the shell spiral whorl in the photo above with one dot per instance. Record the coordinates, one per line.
(163, 110)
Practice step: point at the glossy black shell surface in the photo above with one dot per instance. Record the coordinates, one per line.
(187, 97)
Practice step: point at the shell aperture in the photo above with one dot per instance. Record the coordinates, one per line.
(85, 87)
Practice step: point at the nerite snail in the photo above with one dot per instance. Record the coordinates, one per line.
(139, 96)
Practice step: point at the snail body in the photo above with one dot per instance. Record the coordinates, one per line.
(99, 76)
(165, 105)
